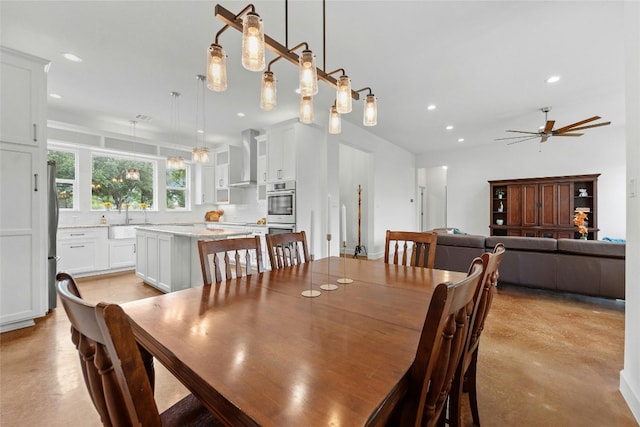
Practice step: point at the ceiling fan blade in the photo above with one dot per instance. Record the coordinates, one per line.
(549, 126)
(522, 140)
(517, 137)
(568, 127)
(522, 131)
(544, 138)
(569, 134)
(590, 126)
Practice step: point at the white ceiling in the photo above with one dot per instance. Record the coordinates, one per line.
(483, 63)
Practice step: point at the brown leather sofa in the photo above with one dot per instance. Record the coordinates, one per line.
(588, 267)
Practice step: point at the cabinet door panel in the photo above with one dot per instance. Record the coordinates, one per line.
(565, 210)
(529, 204)
(548, 204)
(514, 202)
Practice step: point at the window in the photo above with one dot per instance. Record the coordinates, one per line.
(177, 188)
(66, 183)
(111, 190)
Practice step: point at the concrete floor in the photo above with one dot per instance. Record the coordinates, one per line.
(545, 360)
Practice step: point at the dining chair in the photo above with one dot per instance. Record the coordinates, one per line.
(147, 358)
(241, 249)
(441, 345)
(114, 371)
(423, 248)
(465, 378)
(287, 249)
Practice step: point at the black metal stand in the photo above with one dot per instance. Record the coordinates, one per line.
(360, 249)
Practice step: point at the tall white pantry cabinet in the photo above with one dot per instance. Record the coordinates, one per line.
(23, 189)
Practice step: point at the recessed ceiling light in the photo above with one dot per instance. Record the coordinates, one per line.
(460, 139)
(445, 167)
(449, 127)
(55, 96)
(200, 131)
(431, 107)
(72, 57)
(240, 114)
(553, 79)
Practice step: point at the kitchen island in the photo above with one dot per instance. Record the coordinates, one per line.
(167, 255)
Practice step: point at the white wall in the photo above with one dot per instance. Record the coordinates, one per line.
(354, 171)
(630, 375)
(600, 150)
(392, 180)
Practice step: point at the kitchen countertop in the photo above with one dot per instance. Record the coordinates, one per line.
(187, 224)
(197, 231)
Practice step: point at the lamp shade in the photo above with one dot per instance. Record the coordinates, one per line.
(343, 95)
(335, 122)
(252, 42)
(308, 73)
(216, 68)
(200, 155)
(306, 109)
(370, 111)
(175, 163)
(268, 91)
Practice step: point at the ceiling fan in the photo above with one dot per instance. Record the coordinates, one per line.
(545, 133)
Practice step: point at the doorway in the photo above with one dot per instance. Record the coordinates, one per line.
(432, 196)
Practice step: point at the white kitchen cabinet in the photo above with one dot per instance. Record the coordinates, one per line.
(122, 253)
(83, 250)
(228, 168)
(281, 154)
(163, 260)
(261, 188)
(23, 155)
(205, 185)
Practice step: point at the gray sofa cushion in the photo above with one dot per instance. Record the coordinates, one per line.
(466, 240)
(535, 244)
(592, 247)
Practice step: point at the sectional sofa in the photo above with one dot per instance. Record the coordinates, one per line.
(588, 267)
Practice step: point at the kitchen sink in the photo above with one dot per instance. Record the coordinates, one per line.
(123, 231)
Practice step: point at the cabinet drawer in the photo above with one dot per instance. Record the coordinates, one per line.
(77, 257)
(78, 234)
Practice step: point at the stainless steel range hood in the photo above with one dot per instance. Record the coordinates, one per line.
(249, 145)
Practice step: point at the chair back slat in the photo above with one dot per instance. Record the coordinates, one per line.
(287, 249)
(240, 261)
(422, 248)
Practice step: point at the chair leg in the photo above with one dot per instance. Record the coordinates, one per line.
(473, 392)
(455, 399)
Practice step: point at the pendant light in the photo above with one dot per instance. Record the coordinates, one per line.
(335, 122)
(252, 42)
(175, 162)
(370, 111)
(343, 95)
(200, 153)
(132, 174)
(306, 109)
(308, 73)
(268, 91)
(216, 68)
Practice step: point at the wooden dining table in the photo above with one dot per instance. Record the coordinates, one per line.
(257, 352)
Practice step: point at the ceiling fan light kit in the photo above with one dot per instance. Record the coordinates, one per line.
(254, 41)
(548, 131)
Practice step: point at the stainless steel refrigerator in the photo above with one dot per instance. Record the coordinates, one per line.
(52, 219)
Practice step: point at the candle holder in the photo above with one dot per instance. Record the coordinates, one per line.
(344, 279)
(328, 286)
(311, 293)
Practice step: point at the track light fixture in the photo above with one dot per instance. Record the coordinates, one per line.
(254, 42)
